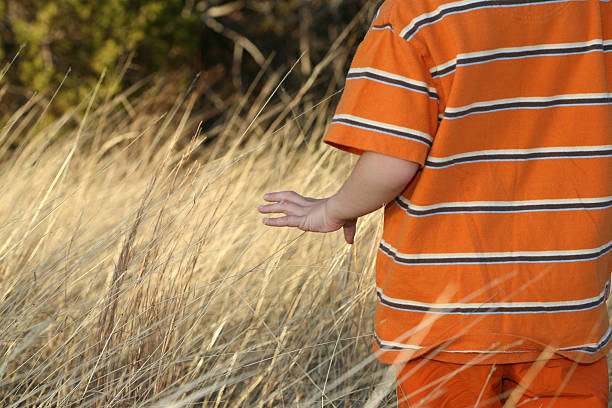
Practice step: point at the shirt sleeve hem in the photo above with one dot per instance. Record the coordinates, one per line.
(411, 151)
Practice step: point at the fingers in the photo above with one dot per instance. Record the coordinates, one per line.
(288, 221)
(288, 196)
(350, 228)
(286, 202)
(297, 221)
(282, 207)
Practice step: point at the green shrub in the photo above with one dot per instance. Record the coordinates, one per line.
(87, 37)
(167, 36)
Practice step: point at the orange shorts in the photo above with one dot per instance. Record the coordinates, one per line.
(558, 383)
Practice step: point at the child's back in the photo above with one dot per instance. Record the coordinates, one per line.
(509, 223)
(486, 127)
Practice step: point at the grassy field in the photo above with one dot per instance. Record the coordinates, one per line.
(135, 270)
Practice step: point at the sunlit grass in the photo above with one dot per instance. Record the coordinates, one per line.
(135, 269)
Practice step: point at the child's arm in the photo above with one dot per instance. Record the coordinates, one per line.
(376, 180)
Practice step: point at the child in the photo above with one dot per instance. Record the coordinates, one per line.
(485, 129)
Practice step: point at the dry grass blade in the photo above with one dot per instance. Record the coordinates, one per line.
(533, 371)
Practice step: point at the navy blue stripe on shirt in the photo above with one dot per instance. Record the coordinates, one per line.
(464, 6)
(528, 103)
(504, 207)
(522, 52)
(586, 152)
(495, 258)
(393, 80)
(496, 308)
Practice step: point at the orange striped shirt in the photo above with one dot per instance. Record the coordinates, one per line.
(502, 244)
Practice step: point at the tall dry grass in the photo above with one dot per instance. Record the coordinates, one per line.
(135, 271)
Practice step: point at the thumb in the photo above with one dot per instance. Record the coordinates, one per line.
(350, 228)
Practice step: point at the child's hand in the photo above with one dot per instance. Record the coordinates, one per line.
(307, 214)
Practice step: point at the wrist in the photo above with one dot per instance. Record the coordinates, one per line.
(334, 209)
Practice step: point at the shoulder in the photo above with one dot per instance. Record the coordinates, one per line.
(399, 14)
(400, 17)
(402, 14)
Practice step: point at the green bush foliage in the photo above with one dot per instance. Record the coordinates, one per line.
(89, 38)
(152, 36)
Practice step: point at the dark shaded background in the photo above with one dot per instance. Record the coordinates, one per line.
(75, 41)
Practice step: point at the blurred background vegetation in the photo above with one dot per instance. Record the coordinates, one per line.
(73, 42)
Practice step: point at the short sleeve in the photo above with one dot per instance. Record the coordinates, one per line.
(389, 105)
